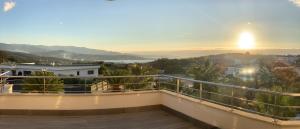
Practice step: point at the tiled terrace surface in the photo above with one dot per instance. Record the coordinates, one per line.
(155, 119)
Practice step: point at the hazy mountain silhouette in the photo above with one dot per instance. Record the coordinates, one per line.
(198, 53)
(68, 52)
(18, 57)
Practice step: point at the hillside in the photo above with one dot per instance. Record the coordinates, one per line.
(68, 52)
(180, 66)
(18, 57)
(87, 57)
(198, 53)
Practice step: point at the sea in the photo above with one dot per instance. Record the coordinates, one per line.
(128, 61)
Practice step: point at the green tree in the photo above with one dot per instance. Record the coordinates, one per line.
(266, 103)
(171, 66)
(117, 83)
(265, 77)
(49, 84)
(206, 71)
(103, 70)
(141, 82)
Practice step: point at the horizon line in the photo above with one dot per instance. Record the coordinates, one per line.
(153, 50)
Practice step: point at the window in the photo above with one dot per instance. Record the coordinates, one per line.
(20, 73)
(78, 73)
(90, 72)
(14, 72)
(27, 73)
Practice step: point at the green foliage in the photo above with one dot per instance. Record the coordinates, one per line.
(130, 83)
(266, 101)
(172, 66)
(117, 83)
(52, 84)
(277, 74)
(142, 69)
(2, 56)
(207, 71)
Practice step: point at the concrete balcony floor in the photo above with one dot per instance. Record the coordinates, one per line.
(153, 119)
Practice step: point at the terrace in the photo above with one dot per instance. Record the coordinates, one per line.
(152, 101)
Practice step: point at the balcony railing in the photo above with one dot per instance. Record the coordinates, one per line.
(277, 105)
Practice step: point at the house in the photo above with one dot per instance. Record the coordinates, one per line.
(234, 71)
(245, 73)
(61, 70)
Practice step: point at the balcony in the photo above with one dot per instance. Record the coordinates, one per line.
(143, 102)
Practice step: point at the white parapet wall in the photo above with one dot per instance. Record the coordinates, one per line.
(79, 101)
(220, 116)
(213, 114)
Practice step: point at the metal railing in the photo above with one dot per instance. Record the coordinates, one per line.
(69, 84)
(278, 105)
(3, 81)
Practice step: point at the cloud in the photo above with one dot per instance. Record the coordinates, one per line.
(296, 2)
(8, 5)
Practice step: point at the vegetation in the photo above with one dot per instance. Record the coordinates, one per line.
(38, 85)
(117, 84)
(17, 57)
(270, 75)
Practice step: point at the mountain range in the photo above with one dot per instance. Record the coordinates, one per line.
(68, 52)
(19, 57)
(199, 53)
(73, 54)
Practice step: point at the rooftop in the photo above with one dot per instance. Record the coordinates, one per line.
(54, 67)
(126, 101)
(155, 119)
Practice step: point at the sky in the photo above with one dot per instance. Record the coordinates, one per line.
(150, 25)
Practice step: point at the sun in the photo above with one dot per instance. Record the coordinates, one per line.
(246, 40)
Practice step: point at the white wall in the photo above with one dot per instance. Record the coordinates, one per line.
(221, 116)
(83, 72)
(79, 102)
(213, 114)
(57, 70)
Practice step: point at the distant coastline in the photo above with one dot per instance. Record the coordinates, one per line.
(128, 61)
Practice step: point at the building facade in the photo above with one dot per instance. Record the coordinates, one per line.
(68, 70)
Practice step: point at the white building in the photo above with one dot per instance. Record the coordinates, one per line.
(234, 71)
(68, 70)
(245, 73)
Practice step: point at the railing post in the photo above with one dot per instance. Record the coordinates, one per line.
(158, 83)
(124, 90)
(84, 85)
(44, 80)
(102, 85)
(177, 86)
(44, 86)
(1, 85)
(200, 90)
(276, 109)
(231, 99)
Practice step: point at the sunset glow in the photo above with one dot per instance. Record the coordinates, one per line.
(246, 40)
